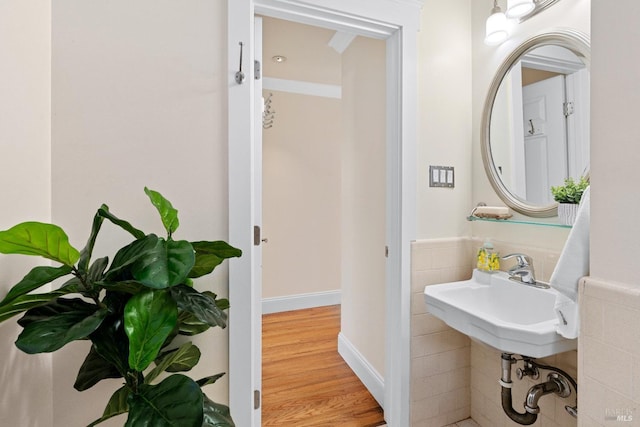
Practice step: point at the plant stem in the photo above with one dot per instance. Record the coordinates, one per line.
(86, 286)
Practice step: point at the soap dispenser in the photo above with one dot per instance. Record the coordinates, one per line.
(488, 258)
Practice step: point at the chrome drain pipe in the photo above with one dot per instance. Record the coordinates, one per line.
(558, 382)
(526, 418)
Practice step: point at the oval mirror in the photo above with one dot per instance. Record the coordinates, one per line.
(535, 130)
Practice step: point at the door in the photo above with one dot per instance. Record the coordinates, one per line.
(257, 218)
(544, 138)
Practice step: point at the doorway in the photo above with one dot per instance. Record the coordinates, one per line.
(324, 175)
(397, 23)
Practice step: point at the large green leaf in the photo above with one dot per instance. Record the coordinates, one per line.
(177, 402)
(168, 213)
(216, 415)
(125, 286)
(149, 318)
(30, 301)
(209, 380)
(93, 370)
(178, 360)
(53, 332)
(111, 343)
(188, 324)
(118, 404)
(200, 305)
(34, 279)
(128, 255)
(87, 251)
(125, 225)
(209, 255)
(56, 307)
(168, 264)
(96, 271)
(37, 238)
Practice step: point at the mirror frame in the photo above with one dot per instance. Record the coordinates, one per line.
(576, 42)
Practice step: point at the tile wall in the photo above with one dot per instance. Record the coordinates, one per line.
(440, 356)
(453, 377)
(609, 354)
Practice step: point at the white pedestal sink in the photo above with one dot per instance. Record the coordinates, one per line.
(509, 316)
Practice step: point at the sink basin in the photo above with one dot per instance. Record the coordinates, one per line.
(509, 316)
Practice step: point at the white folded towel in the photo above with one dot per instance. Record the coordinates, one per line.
(572, 266)
(574, 259)
(568, 316)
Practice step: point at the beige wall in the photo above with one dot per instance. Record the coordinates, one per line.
(444, 116)
(609, 354)
(139, 98)
(25, 125)
(301, 165)
(363, 199)
(302, 196)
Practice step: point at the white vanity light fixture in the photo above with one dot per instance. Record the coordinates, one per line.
(518, 8)
(496, 27)
(499, 24)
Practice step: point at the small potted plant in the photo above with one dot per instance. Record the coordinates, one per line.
(131, 308)
(568, 197)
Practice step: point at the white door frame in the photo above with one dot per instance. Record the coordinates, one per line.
(397, 21)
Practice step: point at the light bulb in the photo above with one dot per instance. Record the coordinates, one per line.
(519, 8)
(496, 28)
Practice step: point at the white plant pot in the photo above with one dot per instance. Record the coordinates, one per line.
(567, 213)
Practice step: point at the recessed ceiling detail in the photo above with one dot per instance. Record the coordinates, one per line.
(341, 41)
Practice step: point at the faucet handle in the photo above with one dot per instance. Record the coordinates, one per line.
(523, 260)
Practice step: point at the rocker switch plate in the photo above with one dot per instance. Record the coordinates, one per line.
(441, 176)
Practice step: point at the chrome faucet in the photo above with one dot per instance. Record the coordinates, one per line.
(523, 270)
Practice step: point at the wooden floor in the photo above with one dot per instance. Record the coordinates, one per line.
(305, 382)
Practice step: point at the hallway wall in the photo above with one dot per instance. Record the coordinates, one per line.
(25, 137)
(301, 166)
(139, 98)
(364, 199)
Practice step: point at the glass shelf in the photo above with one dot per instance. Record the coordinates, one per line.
(518, 221)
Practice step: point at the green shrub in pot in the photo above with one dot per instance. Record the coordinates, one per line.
(571, 191)
(131, 309)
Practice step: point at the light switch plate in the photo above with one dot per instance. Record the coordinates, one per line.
(441, 176)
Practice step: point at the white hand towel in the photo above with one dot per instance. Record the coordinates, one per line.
(572, 266)
(574, 259)
(568, 316)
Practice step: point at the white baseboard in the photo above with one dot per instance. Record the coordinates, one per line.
(300, 301)
(371, 379)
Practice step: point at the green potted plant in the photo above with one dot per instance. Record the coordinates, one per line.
(568, 197)
(131, 309)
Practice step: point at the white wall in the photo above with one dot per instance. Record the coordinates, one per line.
(486, 59)
(363, 199)
(614, 151)
(444, 116)
(25, 91)
(609, 352)
(139, 98)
